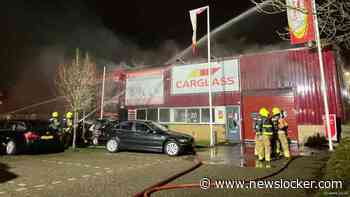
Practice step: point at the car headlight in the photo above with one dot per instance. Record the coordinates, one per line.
(184, 140)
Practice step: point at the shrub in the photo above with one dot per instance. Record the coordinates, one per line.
(316, 141)
(338, 166)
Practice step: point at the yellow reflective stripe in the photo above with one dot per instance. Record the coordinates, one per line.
(267, 126)
(267, 133)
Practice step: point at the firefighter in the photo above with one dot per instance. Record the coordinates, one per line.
(281, 128)
(267, 132)
(258, 138)
(275, 143)
(67, 128)
(55, 123)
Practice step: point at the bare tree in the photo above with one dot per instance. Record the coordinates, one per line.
(333, 16)
(77, 82)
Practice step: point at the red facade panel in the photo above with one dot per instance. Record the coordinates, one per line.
(253, 103)
(299, 70)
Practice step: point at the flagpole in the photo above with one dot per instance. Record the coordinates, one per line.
(323, 82)
(103, 92)
(209, 87)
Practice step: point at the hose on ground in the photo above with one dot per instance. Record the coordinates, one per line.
(197, 164)
(163, 185)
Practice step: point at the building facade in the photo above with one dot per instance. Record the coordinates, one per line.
(177, 95)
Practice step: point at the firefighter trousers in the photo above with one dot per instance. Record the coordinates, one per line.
(266, 147)
(259, 146)
(256, 153)
(282, 142)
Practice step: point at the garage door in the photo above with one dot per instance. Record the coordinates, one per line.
(252, 102)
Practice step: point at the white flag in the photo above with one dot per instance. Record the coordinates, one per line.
(193, 15)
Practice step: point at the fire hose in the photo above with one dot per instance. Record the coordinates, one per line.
(163, 185)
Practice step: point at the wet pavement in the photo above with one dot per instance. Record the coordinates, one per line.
(241, 155)
(237, 162)
(86, 173)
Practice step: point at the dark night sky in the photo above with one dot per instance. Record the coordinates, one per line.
(37, 35)
(151, 23)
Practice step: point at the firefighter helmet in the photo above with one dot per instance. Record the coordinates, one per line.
(264, 112)
(55, 114)
(276, 111)
(69, 114)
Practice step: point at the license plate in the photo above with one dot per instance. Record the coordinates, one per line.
(47, 137)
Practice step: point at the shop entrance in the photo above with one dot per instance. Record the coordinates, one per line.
(233, 126)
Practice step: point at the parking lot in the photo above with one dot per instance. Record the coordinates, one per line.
(86, 172)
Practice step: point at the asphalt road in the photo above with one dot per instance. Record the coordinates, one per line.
(88, 172)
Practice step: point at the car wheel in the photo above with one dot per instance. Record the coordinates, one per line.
(172, 148)
(112, 145)
(11, 148)
(95, 141)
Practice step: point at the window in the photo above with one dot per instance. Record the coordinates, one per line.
(193, 116)
(126, 125)
(179, 115)
(141, 127)
(141, 114)
(152, 114)
(164, 115)
(205, 114)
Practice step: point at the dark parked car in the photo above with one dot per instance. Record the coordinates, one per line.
(18, 136)
(147, 136)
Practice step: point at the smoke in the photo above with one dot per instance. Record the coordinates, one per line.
(246, 47)
(155, 56)
(39, 35)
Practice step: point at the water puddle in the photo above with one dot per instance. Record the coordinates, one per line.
(241, 155)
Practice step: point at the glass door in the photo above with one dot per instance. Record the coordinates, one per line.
(233, 126)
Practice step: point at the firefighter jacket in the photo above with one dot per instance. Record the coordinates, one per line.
(275, 119)
(266, 126)
(67, 123)
(279, 123)
(54, 123)
(258, 125)
(283, 124)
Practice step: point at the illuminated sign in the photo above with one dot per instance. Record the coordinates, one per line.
(144, 88)
(194, 78)
(300, 21)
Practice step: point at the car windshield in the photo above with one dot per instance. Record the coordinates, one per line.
(157, 126)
